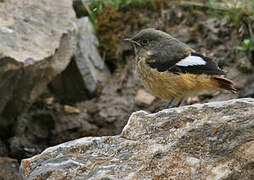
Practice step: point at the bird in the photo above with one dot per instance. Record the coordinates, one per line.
(173, 71)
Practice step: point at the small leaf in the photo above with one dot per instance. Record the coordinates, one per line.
(240, 48)
(246, 41)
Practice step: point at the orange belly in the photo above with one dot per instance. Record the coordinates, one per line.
(166, 85)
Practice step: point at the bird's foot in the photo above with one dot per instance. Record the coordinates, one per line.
(171, 103)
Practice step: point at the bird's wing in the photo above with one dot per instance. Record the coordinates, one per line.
(168, 55)
(179, 58)
(196, 64)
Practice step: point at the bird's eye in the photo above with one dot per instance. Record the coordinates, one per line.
(144, 42)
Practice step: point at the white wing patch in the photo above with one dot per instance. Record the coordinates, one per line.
(191, 61)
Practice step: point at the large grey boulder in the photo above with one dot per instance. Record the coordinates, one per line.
(90, 64)
(37, 41)
(202, 141)
(87, 70)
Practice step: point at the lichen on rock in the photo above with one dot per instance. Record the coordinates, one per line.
(202, 141)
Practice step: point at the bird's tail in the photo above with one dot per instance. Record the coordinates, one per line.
(224, 83)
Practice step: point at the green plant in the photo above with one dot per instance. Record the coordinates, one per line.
(96, 7)
(246, 45)
(91, 14)
(235, 15)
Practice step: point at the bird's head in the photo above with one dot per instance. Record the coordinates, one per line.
(148, 40)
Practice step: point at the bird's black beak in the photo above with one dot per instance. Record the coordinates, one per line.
(132, 41)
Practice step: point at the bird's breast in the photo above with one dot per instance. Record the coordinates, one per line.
(166, 85)
(161, 84)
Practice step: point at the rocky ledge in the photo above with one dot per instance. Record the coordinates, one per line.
(37, 41)
(201, 141)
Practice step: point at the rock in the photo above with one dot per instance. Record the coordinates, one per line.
(86, 71)
(71, 109)
(32, 134)
(52, 124)
(239, 79)
(212, 25)
(248, 88)
(37, 41)
(45, 124)
(88, 59)
(111, 110)
(244, 65)
(49, 100)
(144, 97)
(3, 149)
(201, 141)
(183, 34)
(70, 126)
(9, 169)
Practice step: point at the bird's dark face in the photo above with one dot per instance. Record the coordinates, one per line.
(148, 40)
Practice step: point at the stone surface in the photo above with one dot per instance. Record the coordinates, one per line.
(9, 169)
(244, 65)
(51, 125)
(3, 149)
(71, 109)
(248, 89)
(34, 28)
(202, 141)
(47, 124)
(86, 71)
(37, 41)
(88, 59)
(144, 97)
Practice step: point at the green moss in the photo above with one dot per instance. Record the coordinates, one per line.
(111, 20)
(145, 20)
(114, 19)
(96, 7)
(111, 29)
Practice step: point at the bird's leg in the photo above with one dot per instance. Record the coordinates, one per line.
(170, 105)
(180, 102)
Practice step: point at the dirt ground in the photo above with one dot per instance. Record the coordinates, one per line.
(51, 121)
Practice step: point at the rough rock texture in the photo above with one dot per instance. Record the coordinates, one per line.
(86, 71)
(202, 141)
(143, 97)
(248, 90)
(49, 122)
(88, 59)
(9, 169)
(50, 127)
(37, 41)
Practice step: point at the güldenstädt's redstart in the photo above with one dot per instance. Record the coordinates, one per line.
(172, 70)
